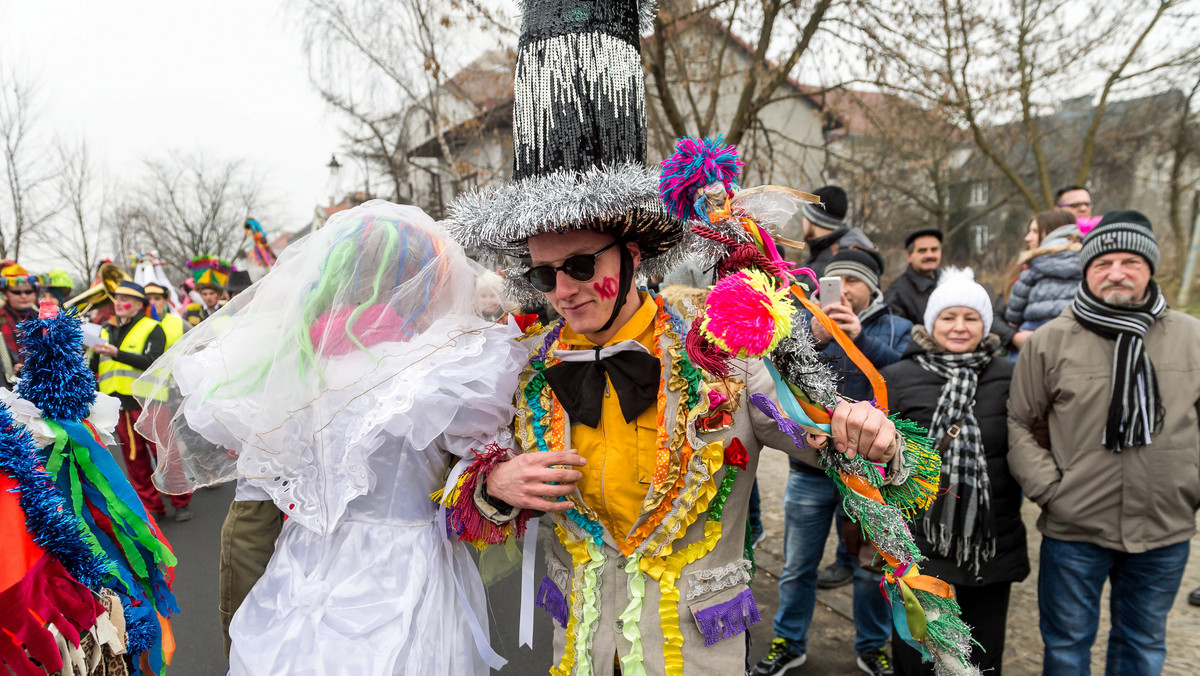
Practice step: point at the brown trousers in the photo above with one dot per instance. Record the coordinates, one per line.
(247, 543)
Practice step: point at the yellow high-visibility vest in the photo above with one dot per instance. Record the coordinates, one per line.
(172, 325)
(116, 377)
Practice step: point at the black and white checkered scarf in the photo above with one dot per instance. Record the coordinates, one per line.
(1135, 410)
(959, 523)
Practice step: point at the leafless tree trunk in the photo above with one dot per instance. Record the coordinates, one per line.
(77, 235)
(691, 56)
(383, 65)
(29, 199)
(188, 208)
(1015, 62)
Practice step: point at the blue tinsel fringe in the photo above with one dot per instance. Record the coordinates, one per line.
(56, 377)
(47, 516)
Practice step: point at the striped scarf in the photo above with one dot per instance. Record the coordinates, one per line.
(1135, 410)
(960, 523)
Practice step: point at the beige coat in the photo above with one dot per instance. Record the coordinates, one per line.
(715, 578)
(1140, 499)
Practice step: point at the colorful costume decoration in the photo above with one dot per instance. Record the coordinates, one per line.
(343, 388)
(261, 251)
(208, 272)
(58, 283)
(46, 606)
(653, 566)
(749, 313)
(71, 423)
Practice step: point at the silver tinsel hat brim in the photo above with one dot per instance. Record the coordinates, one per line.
(622, 200)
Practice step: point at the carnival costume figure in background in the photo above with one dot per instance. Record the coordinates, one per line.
(20, 303)
(750, 313)
(209, 275)
(649, 565)
(120, 547)
(344, 384)
(56, 286)
(148, 269)
(260, 251)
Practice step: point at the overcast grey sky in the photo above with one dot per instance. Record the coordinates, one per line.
(139, 78)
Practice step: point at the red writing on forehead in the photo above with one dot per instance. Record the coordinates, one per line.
(607, 288)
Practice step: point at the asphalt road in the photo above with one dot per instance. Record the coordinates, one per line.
(199, 651)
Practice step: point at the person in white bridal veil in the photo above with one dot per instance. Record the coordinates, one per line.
(344, 386)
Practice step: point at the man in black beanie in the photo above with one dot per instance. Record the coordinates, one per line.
(824, 224)
(1117, 378)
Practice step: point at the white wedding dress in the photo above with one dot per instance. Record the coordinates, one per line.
(364, 580)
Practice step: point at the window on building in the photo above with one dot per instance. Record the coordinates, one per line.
(979, 238)
(979, 194)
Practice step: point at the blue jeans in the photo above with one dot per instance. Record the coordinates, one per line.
(809, 504)
(1070, 580)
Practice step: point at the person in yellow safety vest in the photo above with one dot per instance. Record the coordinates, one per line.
(132, 342)
(172, 324)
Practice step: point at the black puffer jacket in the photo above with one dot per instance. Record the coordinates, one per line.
(913, 394)
(909, 294)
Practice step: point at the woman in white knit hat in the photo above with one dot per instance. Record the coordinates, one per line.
(951, 382)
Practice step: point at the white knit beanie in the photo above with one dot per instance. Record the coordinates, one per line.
(957, 288)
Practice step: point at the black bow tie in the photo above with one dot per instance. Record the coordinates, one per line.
(579, 385)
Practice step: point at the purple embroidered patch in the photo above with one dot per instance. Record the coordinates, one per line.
(550, 599)
(786, 424)
(728, 619)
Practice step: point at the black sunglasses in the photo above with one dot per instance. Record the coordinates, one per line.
(580, 267)
(22, 292)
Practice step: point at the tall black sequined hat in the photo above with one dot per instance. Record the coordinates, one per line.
(579, 137)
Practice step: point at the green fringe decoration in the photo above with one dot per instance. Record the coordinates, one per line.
(717, 505)
(870, 516)
(924, 465)
(948, 632)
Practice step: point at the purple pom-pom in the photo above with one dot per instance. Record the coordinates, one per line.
(695, 164)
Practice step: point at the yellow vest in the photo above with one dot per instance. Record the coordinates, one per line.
(116, 377)
(172, 325)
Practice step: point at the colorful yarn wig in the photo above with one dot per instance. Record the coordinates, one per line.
(697, 163)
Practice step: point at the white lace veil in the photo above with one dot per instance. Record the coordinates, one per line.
(247, 392)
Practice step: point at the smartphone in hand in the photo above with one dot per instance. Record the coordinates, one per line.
(831, 291)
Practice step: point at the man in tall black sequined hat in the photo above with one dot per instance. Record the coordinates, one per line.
(618, 436)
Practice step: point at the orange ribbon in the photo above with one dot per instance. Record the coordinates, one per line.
(878, 387)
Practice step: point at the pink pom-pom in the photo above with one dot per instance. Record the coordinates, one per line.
(746, 316)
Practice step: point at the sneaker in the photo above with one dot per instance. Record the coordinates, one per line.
(780, 659)
(876, 662)
(183, 514)
(834, 576)
(1194, 597)
(757, 535)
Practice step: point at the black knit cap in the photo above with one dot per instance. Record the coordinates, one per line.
(923, 232)
(830, 214)
(1121, 231)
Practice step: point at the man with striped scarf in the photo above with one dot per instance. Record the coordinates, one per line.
(1116, 378)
